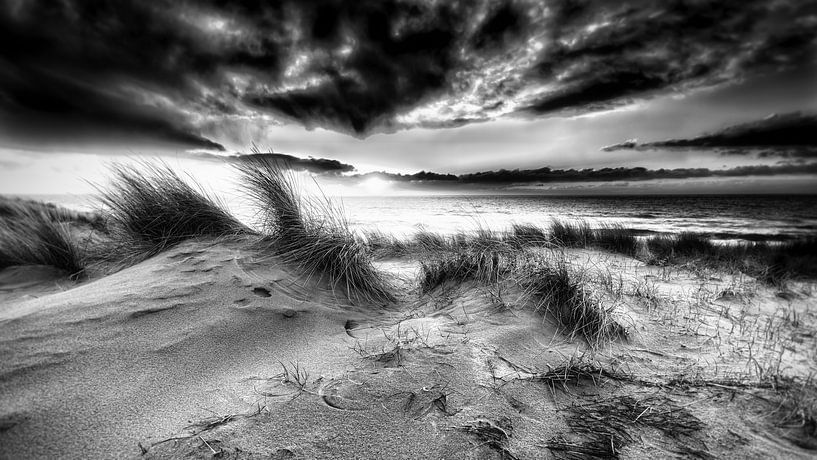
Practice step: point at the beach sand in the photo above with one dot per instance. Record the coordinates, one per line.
(208, 351)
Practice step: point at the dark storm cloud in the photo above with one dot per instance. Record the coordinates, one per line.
(164, 68)
(603, 54)
(314, 165)
(76, 69)
(53, 108)
(792, 135)
(320, 166)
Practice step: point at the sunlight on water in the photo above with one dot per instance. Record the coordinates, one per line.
(721, 217)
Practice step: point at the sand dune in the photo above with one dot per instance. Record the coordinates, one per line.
(208, 351)
(132, 357)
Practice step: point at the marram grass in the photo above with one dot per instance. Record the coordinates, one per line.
(311, 233)
(33, 237)
(151, 209)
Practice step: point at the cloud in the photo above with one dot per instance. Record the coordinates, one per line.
(314, 165)
(320, 166)
(546, 175)
(791, 135)
(165, 70)
(52, 108)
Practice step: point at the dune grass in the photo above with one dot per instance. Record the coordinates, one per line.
(311, 233)
(682, 245)
(151, 209)
(33, 237)
(792, 259)
(382, 244)
(604, 426)
(771, 263)
(774, 264)
(571, 234)
(482, 266)
(427, 241)
(19, 208)
(560, 294)
(616, 238)
(797, 409)
(550, 287)
(522, 235)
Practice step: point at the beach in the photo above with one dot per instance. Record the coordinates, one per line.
(221, 347)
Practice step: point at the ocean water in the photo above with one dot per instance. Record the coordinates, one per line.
(722, 217)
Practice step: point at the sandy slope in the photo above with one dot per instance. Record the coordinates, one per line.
(133, 357)
(184, 356)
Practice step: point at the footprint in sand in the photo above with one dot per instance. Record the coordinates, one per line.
(329, 395)
(261, 292)
(349, 326)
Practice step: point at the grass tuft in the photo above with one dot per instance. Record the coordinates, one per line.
(32, 237)
(428, 241)
(20, 208)
(771, 263)
(152, 209)
(616, 238)
(573, 372)
(571, 234)
(522, 235)
(494, 434)
(558, 293)
(797, 411)
(787, 260)
(483, 266)
(383, 245)
(681, 246)
(311, 233)
(601, 429)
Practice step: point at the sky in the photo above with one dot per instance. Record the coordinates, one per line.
(720, 93)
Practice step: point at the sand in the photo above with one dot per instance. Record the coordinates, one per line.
(207, 351)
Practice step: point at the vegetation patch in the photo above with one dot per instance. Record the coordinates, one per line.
(559, 294)
(522, 235)
(772, 263)
(616, 238)
(33, 237)
(312, 234)
(151, 209)
(602, 428)
(571, 234)
(494, 434)
(482, 266)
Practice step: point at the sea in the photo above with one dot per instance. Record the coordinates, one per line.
(721, 217)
